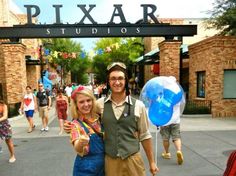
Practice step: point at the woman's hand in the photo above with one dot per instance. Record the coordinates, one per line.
(67, 126)
(83, 140)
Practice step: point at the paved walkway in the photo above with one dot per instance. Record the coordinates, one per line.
(207, 142)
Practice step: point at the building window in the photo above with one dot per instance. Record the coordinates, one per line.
(201, 77)
(229, 84)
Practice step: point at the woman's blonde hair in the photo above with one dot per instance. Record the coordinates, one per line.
(87, 92)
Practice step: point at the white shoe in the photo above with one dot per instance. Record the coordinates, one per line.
(43, 129)
(47, 128)
(12, 160)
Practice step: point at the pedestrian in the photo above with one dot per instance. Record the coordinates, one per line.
(86, 134)
(61, 109)
(29, 106)
(125, 125)
(6, 131)
(96, 91)
(54, 94)
(1, 146)
(68, 91)
(104, 90)
(172, 131)
(35, 92)
(44, 104)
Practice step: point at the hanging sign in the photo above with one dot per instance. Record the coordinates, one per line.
(93, 29)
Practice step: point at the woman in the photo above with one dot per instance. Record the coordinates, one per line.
(86, 134)
(61, 108)
(5, 131)
(29, 105)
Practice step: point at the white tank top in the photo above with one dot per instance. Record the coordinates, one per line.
(29, 102)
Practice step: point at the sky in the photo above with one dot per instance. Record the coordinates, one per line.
(104, 9)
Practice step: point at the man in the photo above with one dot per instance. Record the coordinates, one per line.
(44, 101)
(125, 125)
(173, 131)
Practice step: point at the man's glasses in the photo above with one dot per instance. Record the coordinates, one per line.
(40, 85)
(114, 79)
(120, 64)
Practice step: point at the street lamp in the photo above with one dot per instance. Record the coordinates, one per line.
(41, 53)
(140, 72)
(41, 61)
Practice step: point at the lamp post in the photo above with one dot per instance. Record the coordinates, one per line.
(41, 53)
(41, 61)
(140, 72)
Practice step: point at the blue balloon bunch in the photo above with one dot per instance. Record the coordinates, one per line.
(160, 95)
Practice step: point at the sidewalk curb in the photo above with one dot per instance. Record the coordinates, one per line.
(196, 115)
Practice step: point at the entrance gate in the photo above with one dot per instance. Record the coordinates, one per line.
(81, 30)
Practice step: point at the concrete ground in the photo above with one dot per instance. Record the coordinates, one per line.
(206, 145)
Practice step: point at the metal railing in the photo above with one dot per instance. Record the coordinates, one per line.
(197, 107)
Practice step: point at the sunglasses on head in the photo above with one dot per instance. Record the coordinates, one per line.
(119, 64)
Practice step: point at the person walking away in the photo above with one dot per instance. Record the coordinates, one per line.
(44, 102)
(172, 131)
(86, 134)
(6, 131)
(29, 106)
(61, 109)
(68, 91)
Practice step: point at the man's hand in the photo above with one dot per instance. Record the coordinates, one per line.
(154, 169)
(67, 126)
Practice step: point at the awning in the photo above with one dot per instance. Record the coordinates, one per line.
(152, 53)
(184, 48)
(151, 57)
(33, 61)
(139, 59)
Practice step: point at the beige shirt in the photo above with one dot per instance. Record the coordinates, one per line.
(139, 111)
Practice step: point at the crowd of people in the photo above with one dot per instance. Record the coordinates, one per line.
(106, 125)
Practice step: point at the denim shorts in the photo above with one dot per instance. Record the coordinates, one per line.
(29, 113)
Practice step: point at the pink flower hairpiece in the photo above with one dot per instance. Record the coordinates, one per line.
(80, 88)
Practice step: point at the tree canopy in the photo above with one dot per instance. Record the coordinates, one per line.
(68, 54)
(223, 17)
(110, 50)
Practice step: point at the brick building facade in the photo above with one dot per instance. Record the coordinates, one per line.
(208, 55)
(213, 57)
(15, 74)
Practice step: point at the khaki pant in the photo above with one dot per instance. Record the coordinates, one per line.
(131, 166)
(43, 111)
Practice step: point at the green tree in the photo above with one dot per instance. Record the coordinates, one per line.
(124, 50)
(61, 53)
(223, 17)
